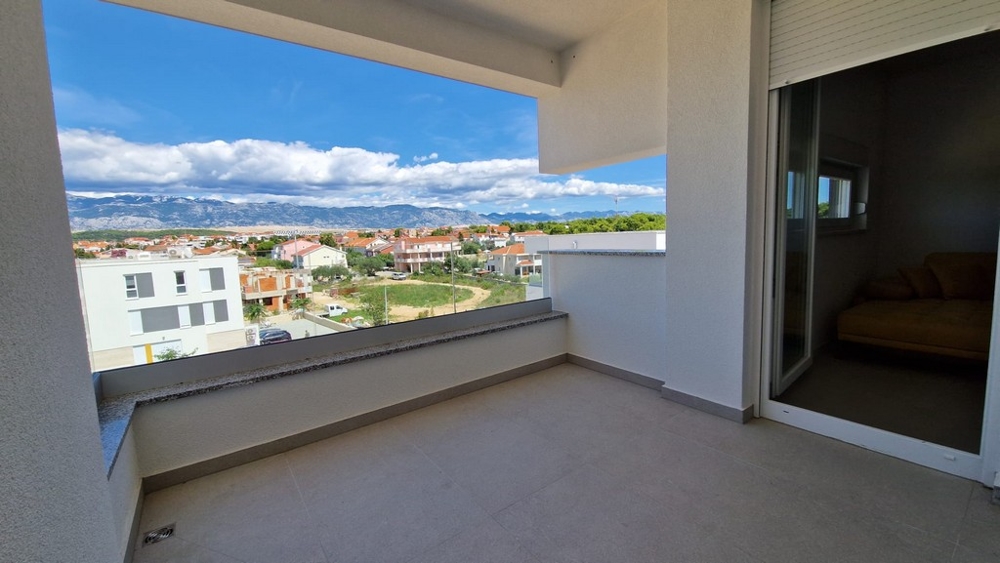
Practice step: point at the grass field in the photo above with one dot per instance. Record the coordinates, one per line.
(421, 295)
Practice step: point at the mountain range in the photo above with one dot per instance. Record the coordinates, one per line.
(130, 212)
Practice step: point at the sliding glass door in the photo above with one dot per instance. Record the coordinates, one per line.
(795, 233)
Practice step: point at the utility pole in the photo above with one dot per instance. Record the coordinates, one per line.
(385, 295)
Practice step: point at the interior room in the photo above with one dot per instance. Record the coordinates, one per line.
(904, 253)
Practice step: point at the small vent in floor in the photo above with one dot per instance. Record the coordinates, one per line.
(158, 535)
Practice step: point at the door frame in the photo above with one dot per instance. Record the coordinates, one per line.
(984, 467)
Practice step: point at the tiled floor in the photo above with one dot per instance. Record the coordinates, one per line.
(568, 465)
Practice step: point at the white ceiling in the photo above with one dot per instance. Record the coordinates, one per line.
(551, 24)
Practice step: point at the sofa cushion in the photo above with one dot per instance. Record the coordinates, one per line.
(964, 275)
(892, 289)
(959, 324)
(923, 281)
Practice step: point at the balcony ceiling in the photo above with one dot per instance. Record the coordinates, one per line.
(511, 45)
(554, 25)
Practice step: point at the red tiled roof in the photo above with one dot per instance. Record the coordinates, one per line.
(510, 249)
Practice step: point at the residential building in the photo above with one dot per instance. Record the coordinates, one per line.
(288, 250)
(370, 246)
(273, 288)
(136, 309)
(410, 254)
(514, 260)
(318, 255)
(703, 322)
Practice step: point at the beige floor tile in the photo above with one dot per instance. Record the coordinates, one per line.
(487, 543)
(495, 460)
(374, 497)
(839, 474)
(251, 513)
(589, 516)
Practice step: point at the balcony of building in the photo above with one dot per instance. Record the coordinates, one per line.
(538, 433)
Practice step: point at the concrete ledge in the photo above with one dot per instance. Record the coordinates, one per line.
(729, 413)
(194, 471)
(631, 377)
(116, 414)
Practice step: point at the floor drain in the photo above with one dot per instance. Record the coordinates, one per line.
(158, 535)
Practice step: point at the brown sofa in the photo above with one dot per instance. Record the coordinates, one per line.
(943, 307)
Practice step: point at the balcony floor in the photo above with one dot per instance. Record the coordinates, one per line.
(569, 465)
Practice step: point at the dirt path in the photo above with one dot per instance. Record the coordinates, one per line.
(399, 313)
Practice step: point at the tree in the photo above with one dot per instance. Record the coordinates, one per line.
(173, 354)
(369, 265)
(471, 247)
(341, 271)
(439, 232)
(83, 254)
(397, 233)
(322, 272)
(254, 312)
(299, 305)
(327, 239)
(268, 262)
(373, 304)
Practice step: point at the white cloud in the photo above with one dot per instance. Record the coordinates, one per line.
(419, 159)
(259, 170)
(73, 104)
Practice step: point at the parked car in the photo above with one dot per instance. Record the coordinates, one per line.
(272, 335)
(399, 275)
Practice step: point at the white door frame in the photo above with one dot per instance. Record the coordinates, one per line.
(982, 468)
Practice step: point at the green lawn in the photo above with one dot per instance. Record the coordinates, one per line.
(420, 295)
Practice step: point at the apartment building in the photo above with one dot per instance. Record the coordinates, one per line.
(514, 260)
(137, 309)
(316, 255)
(410, 254)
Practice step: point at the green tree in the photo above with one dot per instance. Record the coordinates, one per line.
(83, 254)
(374, 306)
(471, 247)
(327, 239)
(439, 232)
(369, 265)
(173, 354)
(397, 233)
(354, 256)
(300, 305)
(254, 312)
(269, 262)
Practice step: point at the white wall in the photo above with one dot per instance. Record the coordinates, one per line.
(172, 434)
(54, 500)
(125, 485)
(709, 115)
(617, 311)
(107, 308)
(642, 240)
(942, 164)
(612, 104)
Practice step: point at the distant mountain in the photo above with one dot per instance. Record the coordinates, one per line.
(497, 218)
(165, 212)
(129, 212)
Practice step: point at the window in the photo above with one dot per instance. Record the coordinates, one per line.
(838, 202)
(131, 289)
(212, 279)
(135, 322)
(138, 285)
(181, 285)
(184, 316)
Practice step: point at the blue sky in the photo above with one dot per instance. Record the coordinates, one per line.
(151, 104)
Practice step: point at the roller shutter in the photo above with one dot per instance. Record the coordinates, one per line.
(810, 38)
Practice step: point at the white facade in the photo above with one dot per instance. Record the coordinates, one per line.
(136, 309)
(321, 255)
(410, 254)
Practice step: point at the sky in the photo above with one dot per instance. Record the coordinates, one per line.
(149, 104)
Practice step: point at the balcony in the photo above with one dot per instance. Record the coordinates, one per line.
(556, 446)
(571, 465)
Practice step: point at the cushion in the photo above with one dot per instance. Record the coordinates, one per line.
(964, 275)
(959, 324)
(892, 289)
(923, 281)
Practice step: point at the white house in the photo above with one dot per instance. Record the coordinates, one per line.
(753, 101)
(137, 309)
(514, 260)
(317, 255)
